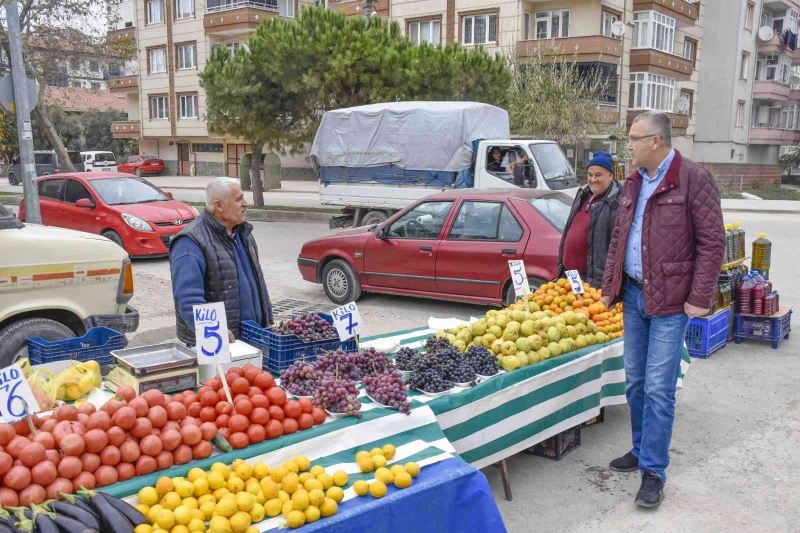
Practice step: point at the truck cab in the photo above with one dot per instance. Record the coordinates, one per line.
(527, 163)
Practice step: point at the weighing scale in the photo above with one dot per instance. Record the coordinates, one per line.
(169, 367)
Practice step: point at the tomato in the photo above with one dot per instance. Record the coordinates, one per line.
(66, 427)
(276, 396)
(165, 460)
(142, 427)
(110, 456)
(208, 414)
(319, 415)
(276, 413)
(306, 405)
(189, 399)
(221, 396)
(259, 400)
(194, 409)
(44, 473)
(45, 439)
(158, 416)
(214, 383)
(126, 471)
(139, 405)
(50, 424)
(305, 421)
(254, 391)
(18, 477)
(54, 489)
(32, 454)
(6, 461)
(292, 409)
(289, 426)
(145, 465)
(69, 467)
(259, 416)
(208, 399)
(54, 456)
(176, 411)
(125, 417)
(191, 435)
(223, 408)
(222, 421)
(202, 449)
(90, 461)
(100, 420)
(112, 406)
(171, 439)
(240, 385)
(129, 451)
(208, 430)
(243, 407)
(126, 393)
(7, 433)
(250, 374)
(256, 433)
(106, 475)
(151, 445)
(239, 440)
(87, 408)
(171, 425)
(238, 423)
(32, 495)
(9, 497)
(17, 444)
(240, 397)
(22, 428)
(225, 432)
(264, 381)
(72, 445)
(154, 397)
(116, 436)
(96, 440)
(67, 412)
(182, 454)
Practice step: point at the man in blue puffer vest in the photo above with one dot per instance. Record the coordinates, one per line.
(215, 259)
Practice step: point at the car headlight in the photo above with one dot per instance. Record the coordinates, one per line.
(136, 222)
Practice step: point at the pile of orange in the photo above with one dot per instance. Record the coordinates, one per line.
(557, 296)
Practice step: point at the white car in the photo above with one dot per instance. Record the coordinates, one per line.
(99, 161)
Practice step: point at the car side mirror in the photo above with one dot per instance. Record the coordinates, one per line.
(381, 233)
(84, 202)
(169, 195)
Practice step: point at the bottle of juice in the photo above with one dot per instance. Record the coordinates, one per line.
(758, 294)
(762, 254)
(743, 295)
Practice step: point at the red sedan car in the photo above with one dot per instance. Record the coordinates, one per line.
(454, 245)
(130, 211)
(141, 164)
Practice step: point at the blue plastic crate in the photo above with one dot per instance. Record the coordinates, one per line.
(705, 335)
(96, 344)
(764, 328)
(280, 351)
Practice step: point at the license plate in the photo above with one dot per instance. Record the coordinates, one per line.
(106, 169)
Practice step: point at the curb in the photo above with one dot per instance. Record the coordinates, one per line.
(273, 215)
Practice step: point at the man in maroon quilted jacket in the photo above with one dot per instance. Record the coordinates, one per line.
(663, 262)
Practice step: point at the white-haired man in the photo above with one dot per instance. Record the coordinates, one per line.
(215, 259)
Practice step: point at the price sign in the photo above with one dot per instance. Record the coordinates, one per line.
(16, 396)
(519, 278)
(575, 280)
(211, 334)
(347, 320)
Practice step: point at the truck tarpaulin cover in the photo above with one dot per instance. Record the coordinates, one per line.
(433, 136)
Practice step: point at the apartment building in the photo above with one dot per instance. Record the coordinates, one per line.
(166, 105)
(751, 91)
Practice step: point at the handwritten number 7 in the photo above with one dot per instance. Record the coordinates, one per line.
(210, 332)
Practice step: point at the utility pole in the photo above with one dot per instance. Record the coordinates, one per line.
(23, 111)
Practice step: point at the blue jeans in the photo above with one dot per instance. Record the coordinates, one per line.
(652, 356)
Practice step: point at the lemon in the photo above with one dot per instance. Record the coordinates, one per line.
(215, 480)
(184, 489)
(328, 508)
(260, 471)
(143, 528)
(388, 450)
(142, 508)
(362, 454)
(219, 524)
(315, 497)
(245, 501)
(300, 500)
(153, 513)
(260, 498)
(257, 513)
(269, 488)
(379, 461)
(396, 469)
(335, 493)
(340, 478)
(240, 522)
(148, 496)
(251, 529)
(164, 485)
(196, 525)
(287, 508)
(316, 470)
(171, 500)
(182, 515)
(235, 484)
(180, 529)
(244, 471)
(412, 468)
(236, 462)
(195, 473)
(303, 462)
(312, 484)
(273, 507)
(252, 486)
(197, 514)
(361, 487)
(402, 480)
(377, 489)
(165, 519)
(290, 483)
(206, 498)
(208, 509)
(227, 506)
(190, 502)
(291, 466)
(384, 474)
(305, 476)
(326, 480)
(312, 514)
(277, 474)
(295, 519)
(220, 492)
(366, 464)
(376, 451)
(159, 530)
(221, 468)
(283, 496)
(200, 486)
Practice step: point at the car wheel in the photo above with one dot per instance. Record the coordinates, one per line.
(374, 217)
(14, 337)
(12, 179)
(340, 282)
(510, 297)
(114, 236)
(138, 172)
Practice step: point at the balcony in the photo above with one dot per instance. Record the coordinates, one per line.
(592, 48)
(683, 12)
(658, 62)
(607, 114)
(794, 93)
(123, 84)
(121, 35)
(774, 136)
(679, 122)
(126, 129)
(771, 90)
(350, 8)
(236, 17)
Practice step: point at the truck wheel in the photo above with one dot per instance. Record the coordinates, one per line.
(510, 297)
(14, 337)
(12, 179)
(374, 217)
(340, 282)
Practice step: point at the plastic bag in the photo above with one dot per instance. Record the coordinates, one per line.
(70, 384)
(41, 383)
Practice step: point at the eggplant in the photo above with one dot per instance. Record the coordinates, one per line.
(111, 520)
(45, 524)
(130, 512)
(78, 513)
(5, 528)
(67, 524)
(79, 502)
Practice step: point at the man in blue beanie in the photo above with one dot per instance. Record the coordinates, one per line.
(584, 243)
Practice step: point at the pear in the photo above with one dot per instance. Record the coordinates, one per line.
(555, 349)
(553, 334)
(523, 344)
(478, 328)
(527, 328)
(509, 348)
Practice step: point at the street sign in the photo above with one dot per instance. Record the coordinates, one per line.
(7, 93)
(16, 397)
(519, 278)
(211, 334)
(575, 280)
(347, 320)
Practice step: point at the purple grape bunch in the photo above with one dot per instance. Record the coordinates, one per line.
(309, 327)
(388, 388)
(429, 379)
(406, 359)
(338, 396)
(340, 365)
(301, 378)
(372, 361)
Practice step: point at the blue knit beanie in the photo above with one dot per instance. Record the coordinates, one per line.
(601, 159)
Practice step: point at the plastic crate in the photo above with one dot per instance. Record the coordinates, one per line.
(559, 445)
(96, 344)
(705, 335)
(280, 351)
(773, 328)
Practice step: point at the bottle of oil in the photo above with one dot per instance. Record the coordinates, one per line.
(762, 255)
(728, 243)
(738, 241)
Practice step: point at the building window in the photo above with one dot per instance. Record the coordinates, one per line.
(690, 50)
(93, 66)
(790, 116)
(157, 58)
(608, 20)
(187, 105)
(187, 56)
(159, 107)
(77, 84)
(207, 147)
(425, 31)
(651, 91)
(740, 113)
(552, 24)
(774, 67)
(231, 47)
(479, 29)
(748, 15)
(184, 9)
(155, 11)
(745, 65)
(95, 86)
(652, 29)
(527, 19)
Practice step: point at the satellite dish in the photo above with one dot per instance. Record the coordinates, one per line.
(765, 33)
(618, 29)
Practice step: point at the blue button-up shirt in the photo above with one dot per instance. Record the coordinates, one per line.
(633, 250)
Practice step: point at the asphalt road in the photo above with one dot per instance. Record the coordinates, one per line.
(734, 453)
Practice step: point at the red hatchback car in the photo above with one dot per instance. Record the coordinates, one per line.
(141, 164)
(130, 211)
(454, 245)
